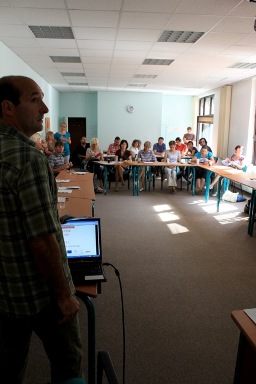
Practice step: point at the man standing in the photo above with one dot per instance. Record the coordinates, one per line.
(36, 288)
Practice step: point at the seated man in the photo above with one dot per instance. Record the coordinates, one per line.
(56, 160)
(79, 154)
(159, 147)
(112, 148)
(180, 146)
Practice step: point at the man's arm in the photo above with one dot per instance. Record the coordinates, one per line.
(46, 252)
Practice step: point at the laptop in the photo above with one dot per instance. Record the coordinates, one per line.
(82, 238)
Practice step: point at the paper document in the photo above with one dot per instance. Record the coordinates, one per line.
(81, 173)
(61, 199)
(64, 190)
(70, 187)
(62, 181)
(251, 313)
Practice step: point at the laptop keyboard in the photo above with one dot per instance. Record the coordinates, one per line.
(85, 271)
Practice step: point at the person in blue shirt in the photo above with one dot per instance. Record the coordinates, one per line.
(159, 148)
(203, 157)
(64, 136)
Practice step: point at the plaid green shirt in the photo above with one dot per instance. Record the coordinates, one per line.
(28, 209)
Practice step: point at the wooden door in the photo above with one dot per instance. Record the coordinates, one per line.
(77, 129)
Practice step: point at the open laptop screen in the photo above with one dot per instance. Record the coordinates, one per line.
(82, 239)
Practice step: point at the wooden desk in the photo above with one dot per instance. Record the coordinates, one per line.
(76, 207)
(80, 202)
(245, 371)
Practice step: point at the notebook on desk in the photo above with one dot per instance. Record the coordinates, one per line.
(82, 238)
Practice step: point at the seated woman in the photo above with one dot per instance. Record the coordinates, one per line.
(145, 155)
(235, 161)
(205, 158)
(123, 155)
(93, 154)
(134, 148)
(50, 142)
(172, 156)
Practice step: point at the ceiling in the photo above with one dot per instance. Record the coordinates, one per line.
(111, 39)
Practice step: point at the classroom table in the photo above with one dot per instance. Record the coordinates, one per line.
(231, 174)
(136, 166)
(245, 370)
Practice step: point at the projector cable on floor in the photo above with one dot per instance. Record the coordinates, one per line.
(122, 304)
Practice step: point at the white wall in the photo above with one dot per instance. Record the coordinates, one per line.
(242, 116)
(114, 120)
(11, 64)
(155, 115)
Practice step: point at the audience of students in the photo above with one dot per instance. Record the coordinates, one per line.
(145, 155)
(237, 160)
(64, 136)
(189, 136)
(112, 148)
(203, 157)
(79, 154)
(134, 149)
(181, 147)
(172, 156)
(123, 155)
(50, 143)
(56, 160)
(159, 148)
(93, 154)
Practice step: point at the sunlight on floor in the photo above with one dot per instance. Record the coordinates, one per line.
(168, 216)
(161, 208)
(228, 214)
(177, 229)
(230, 218)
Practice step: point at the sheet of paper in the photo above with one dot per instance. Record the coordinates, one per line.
(81, 173)
(62, 190)
(61, 199)
(251, 313)
(62, 181)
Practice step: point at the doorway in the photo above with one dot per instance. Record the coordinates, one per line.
(77, 129)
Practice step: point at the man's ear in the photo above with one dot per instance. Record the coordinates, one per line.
(7, 108)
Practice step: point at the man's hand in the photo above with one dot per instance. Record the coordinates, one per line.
(69, 307)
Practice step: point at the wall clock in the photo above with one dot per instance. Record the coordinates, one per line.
(130, 108)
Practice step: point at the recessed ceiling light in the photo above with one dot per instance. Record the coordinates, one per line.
(244, 66)
(77, 74)
(157, 62)
(45, 32)
(180, 36)
(66, 59)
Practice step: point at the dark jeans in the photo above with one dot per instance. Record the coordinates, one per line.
(62, 344)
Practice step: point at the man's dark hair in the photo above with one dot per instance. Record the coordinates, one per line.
(9, 91)
(160, 138)
(117, 138)
(58, 144)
